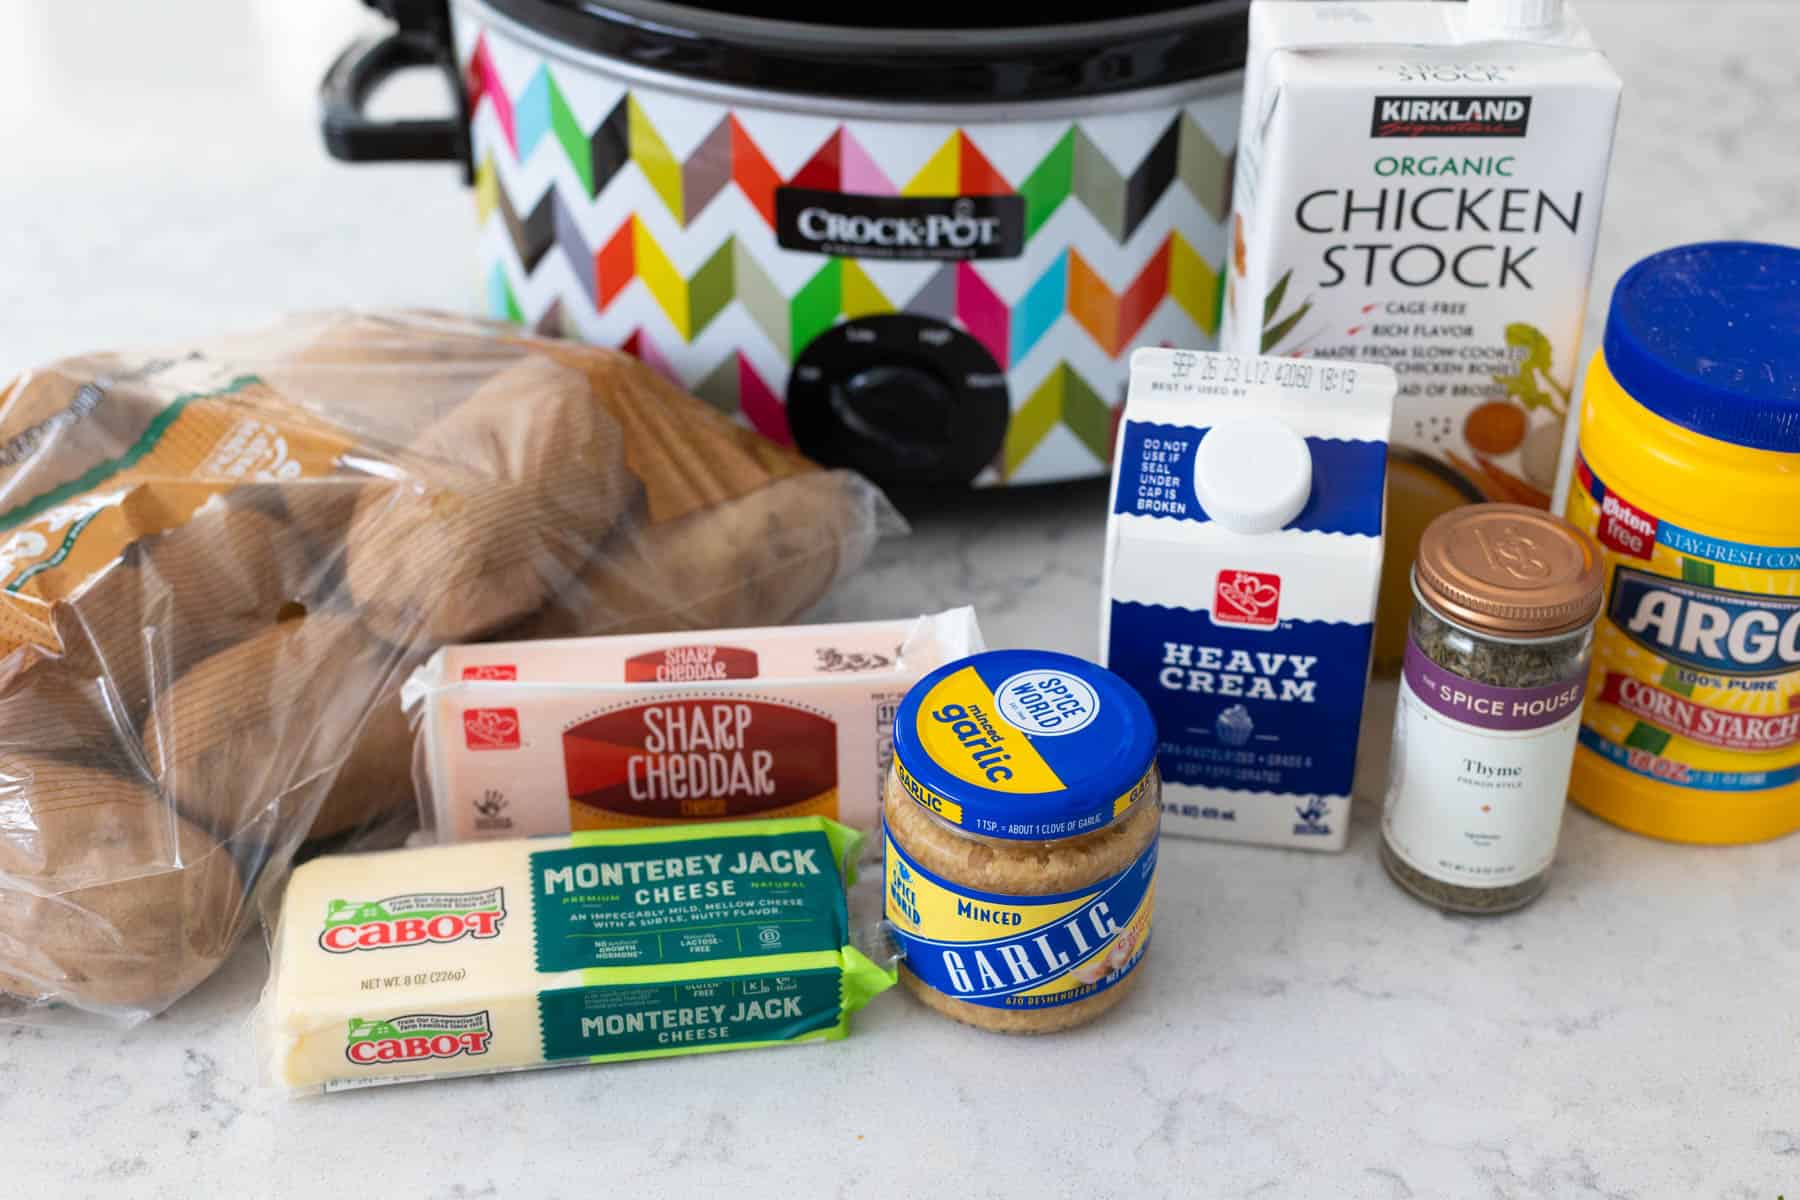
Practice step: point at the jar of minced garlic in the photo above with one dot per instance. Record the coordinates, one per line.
(1020, 821)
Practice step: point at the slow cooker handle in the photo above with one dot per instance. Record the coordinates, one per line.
(352, 136)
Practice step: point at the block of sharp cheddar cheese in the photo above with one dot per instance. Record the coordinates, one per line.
(525, 738)
(591, 947)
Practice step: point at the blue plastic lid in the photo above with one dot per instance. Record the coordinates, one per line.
(1024, 744)
(1708, 336)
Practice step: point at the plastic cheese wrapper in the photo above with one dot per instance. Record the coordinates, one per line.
(219, 561)
(592, 947)
(523, 738)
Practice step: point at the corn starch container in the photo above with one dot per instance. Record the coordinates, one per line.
(1689, 478)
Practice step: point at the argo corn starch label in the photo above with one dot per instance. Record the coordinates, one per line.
(1696, 678)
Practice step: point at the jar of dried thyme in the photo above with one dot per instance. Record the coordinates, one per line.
(1505, 599)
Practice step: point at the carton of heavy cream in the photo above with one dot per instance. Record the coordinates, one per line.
(524, 738)
(1419, 186)
(592, 947)
(1243, 553)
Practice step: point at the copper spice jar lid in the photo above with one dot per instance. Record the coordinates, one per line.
(1509, 571)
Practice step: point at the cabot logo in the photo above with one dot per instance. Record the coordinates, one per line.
(935, 227)
(1250, 598)
(491, 728)
(1450, 116)
(1709, 629)
(412, 919)
(417, 1036)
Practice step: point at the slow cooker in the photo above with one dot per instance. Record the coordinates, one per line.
(918, 241)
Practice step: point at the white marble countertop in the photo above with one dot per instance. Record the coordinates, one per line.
(1307, 1030)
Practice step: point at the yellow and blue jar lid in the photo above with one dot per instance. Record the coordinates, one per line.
(1026, 745)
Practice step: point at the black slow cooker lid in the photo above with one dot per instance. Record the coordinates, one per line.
(920, 51)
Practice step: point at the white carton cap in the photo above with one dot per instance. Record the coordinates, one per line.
(1514, 16)
(1253, 474)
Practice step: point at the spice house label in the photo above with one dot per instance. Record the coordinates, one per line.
(1468, 802)
(1486, 706)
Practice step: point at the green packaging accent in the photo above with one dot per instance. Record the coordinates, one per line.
(602, 1023)
(659, 901)
(420, 1024)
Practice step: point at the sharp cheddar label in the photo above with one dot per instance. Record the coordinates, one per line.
(702, 757)
(689, 664)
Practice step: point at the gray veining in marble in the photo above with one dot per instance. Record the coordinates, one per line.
(1308, 1031)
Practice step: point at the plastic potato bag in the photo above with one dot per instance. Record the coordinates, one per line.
(218, 563)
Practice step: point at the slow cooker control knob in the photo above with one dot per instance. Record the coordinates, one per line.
(900, 398)
(900, 409)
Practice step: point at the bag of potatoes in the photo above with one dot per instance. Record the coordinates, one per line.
(218, 563)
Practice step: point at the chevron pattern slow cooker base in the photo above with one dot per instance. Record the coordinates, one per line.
(647, 218)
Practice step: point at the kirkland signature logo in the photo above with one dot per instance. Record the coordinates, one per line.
(924, 227)
(1450, 116)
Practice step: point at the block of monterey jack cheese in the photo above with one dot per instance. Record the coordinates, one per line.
(590, 947)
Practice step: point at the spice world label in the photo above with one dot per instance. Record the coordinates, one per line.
(1486, 706)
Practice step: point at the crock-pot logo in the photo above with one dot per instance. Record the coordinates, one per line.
(944, 227)
(1709, 629)
(1450, 116)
